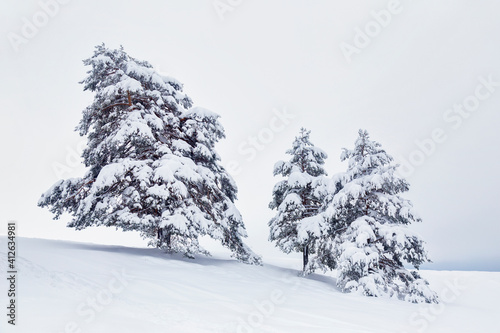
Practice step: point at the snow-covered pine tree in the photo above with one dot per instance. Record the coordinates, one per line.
(151, 162)
(297, 197)
(370, 238)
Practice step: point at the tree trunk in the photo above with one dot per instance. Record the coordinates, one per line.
(305, 257)
(159, 233)
(164, 237)
(168, 239)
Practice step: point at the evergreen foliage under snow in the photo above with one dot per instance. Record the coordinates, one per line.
(367, 236)
(298, 197)
(151, 162)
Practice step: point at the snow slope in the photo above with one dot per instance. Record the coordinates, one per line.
(75, 287)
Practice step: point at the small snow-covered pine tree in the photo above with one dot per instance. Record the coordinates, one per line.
(297, 197)
(370, 237)
(151, 162)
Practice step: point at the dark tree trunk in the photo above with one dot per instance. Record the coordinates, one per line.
(168, 240)
(305, 257)
(159, 236)
(164, 237)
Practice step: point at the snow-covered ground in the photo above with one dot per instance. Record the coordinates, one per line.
(75, 287)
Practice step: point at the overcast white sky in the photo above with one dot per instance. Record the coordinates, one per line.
(258, 58)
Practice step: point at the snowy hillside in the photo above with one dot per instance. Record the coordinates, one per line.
(75, 287)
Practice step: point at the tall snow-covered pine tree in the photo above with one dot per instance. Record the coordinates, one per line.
(151, 162)
(297, 197)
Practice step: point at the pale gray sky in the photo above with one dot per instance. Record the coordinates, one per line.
(407, 71)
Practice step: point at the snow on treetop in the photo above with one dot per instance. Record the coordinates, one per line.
(147, 73)
(126, 84)
(114, 71)
(103, 58)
